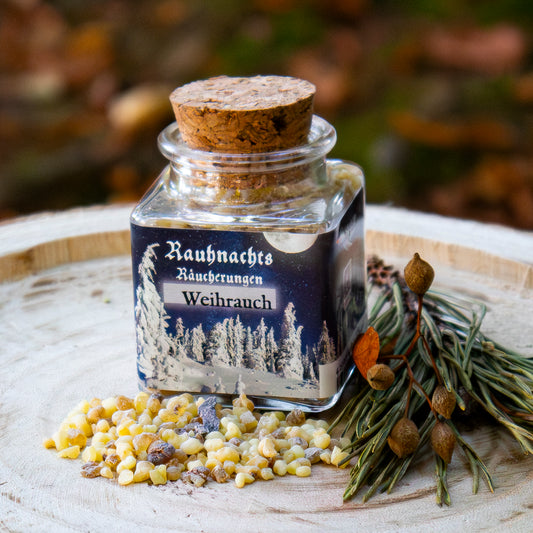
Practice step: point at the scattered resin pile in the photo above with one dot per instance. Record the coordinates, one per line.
(154, 439)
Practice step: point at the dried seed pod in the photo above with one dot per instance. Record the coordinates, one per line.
(443, 441)
(380, 376)
(403, 438)
(471, 406)
(419, 275)
(443, 401)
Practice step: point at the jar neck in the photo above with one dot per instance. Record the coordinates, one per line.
(228, 191)
(250, 171)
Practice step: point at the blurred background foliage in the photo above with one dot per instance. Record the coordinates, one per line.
(434, 98)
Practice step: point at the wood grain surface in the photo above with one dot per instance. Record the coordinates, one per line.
(67, 334)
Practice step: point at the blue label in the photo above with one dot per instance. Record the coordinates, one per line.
(232, 311)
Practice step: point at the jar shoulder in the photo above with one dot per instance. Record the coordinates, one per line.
(312, 206)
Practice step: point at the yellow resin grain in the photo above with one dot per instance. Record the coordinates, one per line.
(125, 477)
(158, 475)
(72, 452)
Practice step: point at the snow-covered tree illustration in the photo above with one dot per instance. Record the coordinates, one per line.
(271, 350)
(248, 359)
(326, 347)
(153, 343)
(289, 363)
(308, 359)
(255, 348)
(197, 344)
(235, 338)
(216, 352)
(260, 336)
(181, 340)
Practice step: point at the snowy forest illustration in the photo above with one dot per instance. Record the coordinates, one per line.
(228, 358)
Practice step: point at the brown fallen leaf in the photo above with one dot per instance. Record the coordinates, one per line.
(366, 351)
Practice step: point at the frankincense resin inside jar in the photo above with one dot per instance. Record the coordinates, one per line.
(248, 250)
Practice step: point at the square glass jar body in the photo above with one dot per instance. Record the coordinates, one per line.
(249, 273)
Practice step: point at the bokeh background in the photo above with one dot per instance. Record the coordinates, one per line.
(434, 98)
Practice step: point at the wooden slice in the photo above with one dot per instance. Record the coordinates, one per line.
(66, 325)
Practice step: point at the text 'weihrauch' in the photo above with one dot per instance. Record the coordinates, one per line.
(201, 295)
(216, 300)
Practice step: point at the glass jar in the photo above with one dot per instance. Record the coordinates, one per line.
(249, 273)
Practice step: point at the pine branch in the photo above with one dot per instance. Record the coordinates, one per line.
(444, 344)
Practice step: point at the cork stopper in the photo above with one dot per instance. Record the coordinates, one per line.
(244, 115)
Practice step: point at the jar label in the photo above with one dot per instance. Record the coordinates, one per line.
(266, 313)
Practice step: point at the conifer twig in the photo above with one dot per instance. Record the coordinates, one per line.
(440, 343)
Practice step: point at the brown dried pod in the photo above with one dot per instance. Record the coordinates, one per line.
(404, 438)
(418, 275)
(443, 441)
(443, 401)
(380, 376)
